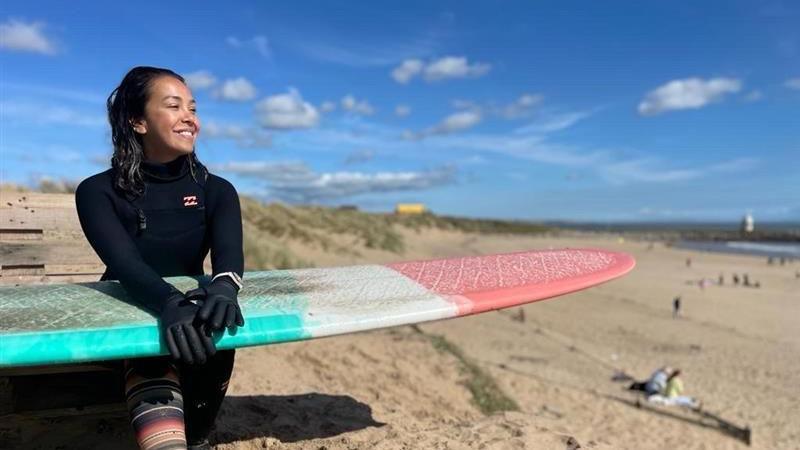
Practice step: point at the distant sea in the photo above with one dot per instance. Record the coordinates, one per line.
(775, 249)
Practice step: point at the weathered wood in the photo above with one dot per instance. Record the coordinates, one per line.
(19, 217)
(21, 234)
(12, 270)
(36, 199)
(33, 210)
(47, 252)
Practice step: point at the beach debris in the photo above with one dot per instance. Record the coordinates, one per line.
(572, 443)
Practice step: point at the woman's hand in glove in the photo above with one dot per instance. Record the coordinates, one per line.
(219, 309)
(185, 340)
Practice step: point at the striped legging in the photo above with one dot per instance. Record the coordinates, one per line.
(171, 403)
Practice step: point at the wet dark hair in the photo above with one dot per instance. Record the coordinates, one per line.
(126, 104)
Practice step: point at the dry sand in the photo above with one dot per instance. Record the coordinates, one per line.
(391, 389)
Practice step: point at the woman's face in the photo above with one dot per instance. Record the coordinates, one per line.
(170, 124)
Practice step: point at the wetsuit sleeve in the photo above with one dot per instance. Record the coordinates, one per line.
(116, 249)
(225, 218)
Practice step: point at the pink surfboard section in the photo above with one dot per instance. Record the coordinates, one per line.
(477, 284)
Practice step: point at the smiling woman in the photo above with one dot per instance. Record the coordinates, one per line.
(170, 124)
(157, 213)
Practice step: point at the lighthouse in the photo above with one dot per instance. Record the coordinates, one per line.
(747, 224)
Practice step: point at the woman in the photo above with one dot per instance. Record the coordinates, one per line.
(156, 213)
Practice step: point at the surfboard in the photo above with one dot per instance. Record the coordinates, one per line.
(84, 322)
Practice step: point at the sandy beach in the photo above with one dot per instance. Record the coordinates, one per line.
(393, 389)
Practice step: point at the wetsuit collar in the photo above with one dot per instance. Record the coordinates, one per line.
(173, 170)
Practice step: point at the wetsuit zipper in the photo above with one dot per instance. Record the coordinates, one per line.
(142, 220)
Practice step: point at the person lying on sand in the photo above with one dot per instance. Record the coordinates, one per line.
(656, 384)
(672, 394)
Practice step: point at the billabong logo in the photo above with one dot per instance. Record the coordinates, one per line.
(190, 200)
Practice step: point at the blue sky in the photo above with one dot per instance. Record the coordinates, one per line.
(617, 111)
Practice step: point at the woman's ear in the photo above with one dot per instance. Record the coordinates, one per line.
(139, 126)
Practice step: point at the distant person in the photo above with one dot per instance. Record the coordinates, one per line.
(688, 262)
(783, 261)
(656, 384)
(770, 261)
(721, 280)
(673, 394)
(736, 279)
(676, 307)
(745, 280)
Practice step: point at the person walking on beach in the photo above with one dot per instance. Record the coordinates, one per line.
(676, 307)
(156, 213)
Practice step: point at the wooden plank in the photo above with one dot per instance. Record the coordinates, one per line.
(21, 234)
(47, 252)
(36, 200)
(27, 210)
(42, 218)
(21, 270)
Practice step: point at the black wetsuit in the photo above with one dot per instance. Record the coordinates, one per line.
(168, 231)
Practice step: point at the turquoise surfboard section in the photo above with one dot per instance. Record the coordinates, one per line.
(68, 323)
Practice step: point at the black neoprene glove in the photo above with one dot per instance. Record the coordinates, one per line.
(220, 308)
(186, 338)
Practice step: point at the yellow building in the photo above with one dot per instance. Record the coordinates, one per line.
(409, 208)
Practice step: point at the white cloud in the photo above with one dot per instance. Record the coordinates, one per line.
(521, 107)
(238, 90)
(445, 68)
(202, 79)
(407, 70)
(464, 104)
(296, 182)
(793, 83)
(688, 93)
(350, 103)
(459, 121)
(286, 111)
(327, 107)
(454, 67)
(244, 137)
(258, 43)
(25, 37)
(554, 122)
(402, 110)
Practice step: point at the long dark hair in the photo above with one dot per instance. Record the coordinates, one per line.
(126, 104)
